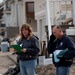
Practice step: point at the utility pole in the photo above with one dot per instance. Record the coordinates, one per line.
(16, 3)
(48, 16)
(73, 3)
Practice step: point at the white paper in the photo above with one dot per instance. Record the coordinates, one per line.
(56, 52)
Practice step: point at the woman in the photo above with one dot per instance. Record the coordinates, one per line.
(30, 50)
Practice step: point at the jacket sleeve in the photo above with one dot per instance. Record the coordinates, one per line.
(51, 47)
(51, 44)
(71, 46)
(35, 48)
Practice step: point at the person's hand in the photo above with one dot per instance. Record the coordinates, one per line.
(24, 50)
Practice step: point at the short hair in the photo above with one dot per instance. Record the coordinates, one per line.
(58, 27)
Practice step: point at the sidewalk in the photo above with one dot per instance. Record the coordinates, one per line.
(6, 60)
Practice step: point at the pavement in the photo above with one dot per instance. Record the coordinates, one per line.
(6, 60)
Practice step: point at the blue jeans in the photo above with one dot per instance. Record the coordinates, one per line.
(62, 70)
(28, 67)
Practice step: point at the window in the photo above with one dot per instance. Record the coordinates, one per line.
(30, 9)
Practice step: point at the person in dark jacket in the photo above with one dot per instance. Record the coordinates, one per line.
(61, 43)
(30, 50)
(51, 44)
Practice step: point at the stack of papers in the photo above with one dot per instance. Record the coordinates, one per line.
(56, 52)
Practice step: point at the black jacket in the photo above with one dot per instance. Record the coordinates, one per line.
(62, 44)
(51, 44)
(32, 46)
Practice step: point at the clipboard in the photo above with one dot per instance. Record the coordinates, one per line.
(17, 47)
(61, 54)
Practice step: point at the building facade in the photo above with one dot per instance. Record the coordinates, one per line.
(53, 12)
(18, 12)
(41, 14)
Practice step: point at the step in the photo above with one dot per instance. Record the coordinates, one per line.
(70, 31)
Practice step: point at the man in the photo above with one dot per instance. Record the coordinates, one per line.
(62, 42)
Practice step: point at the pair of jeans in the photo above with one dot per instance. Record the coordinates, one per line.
(28, 67)
(62, 70)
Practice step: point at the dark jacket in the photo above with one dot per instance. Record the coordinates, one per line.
(51, 44)
(62, 44)
(32, 47)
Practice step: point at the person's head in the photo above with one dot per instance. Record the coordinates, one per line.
(57, 32)
(26, 31)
